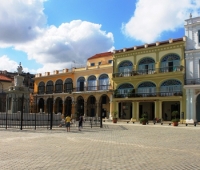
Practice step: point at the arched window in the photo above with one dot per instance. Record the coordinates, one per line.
(49, 87)
(170, 88)
(68, 86)
(147, 89)
(41, 88)
(146, 66)
(80, 84)
(103, 82)
(59, 86)
(124, 89)
(92, 83)
(125, 68)
(170, 63)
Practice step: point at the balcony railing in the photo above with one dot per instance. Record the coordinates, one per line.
(154, 94)
(78, 89)
(192, 81)
(149, 71)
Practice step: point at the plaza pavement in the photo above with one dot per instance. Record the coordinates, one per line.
(115, 146)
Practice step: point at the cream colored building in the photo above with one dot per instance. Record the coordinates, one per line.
(149, 79)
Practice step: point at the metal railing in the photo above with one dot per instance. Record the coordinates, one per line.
(148, 71)
(192, 81)
(77, 89)
(154, 94)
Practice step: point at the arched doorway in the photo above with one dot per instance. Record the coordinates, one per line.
(49, 105)
(41, 104)
(104, 106)
(198, 108)
(58, 105)
(68, 106)
(91, 106)
(80, 106)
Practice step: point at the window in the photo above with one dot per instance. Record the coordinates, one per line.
(147, 66)
(68, 86)
(41, 88)
(92, 64)
(103, 82)
(125, 68)
(199, 36)
(147, 89)
(59, 86)
(124, 89)
(49, 87)
(92, 83)
(80, 84)
(110, 61)
(170, 88)
(170, 63)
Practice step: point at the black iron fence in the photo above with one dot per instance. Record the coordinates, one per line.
(23, 119)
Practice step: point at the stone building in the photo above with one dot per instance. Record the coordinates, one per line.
(81, 90)
(192, 58)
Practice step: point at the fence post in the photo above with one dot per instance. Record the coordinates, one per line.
(6, 112)
(22, 108)
(51, 114)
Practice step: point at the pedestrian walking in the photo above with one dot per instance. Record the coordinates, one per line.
(62, 122)
(68, 120)
(80, 123)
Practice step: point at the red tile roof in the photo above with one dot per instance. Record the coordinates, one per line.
(4, 78)
(100, 55)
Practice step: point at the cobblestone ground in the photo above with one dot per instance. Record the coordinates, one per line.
(120, 146)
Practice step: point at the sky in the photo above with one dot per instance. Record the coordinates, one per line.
(48, 35)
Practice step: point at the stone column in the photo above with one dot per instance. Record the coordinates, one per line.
(85, 109)
(133, 108)
(97, 109)
(187, 104)
(137, 110)
(63, 110)
(193, 106)
(160, 110)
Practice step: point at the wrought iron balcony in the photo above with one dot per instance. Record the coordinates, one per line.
(149, 71)
(192, 81)
(154, 94)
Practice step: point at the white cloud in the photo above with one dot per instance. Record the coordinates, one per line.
(23, 26)
(152, 17)
(9, 65)
(20, 20)
(74, 41)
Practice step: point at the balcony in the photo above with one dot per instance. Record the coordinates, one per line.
(149, 71)
(154, 94)
(77, 89)
(192, 81)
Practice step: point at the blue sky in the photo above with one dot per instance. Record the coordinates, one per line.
(46, 35)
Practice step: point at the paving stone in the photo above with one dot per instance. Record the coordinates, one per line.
(115, 146)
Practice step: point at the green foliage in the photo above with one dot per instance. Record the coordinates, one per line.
(114, 114)
(175, 113)
(144, 118)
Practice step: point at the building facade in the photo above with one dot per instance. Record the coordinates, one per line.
(149, 79)
(192, 58)
(78, 91)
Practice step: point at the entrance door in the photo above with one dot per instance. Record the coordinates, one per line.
(198, 109)
(81, 86)
(170, 65)
(140, 111)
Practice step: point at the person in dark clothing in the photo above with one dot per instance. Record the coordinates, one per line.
(80, 123)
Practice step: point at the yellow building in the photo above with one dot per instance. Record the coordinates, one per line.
(149, 79)
(79, 91)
